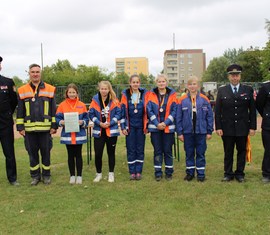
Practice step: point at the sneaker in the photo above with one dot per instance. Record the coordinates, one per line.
(79, 180)
(138, 176)
(98, 177)
(168, 177)
(111, 177)
(189, 177)
(72, 179)
(47, 180)
(35, 181)
(14, 183)
(132, 177)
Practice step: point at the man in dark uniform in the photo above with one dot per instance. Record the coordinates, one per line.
(235, 119)
(8, 103)
(263, 107)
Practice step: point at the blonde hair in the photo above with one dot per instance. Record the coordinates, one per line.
(111, 91)
(193, 79)
(161, 76)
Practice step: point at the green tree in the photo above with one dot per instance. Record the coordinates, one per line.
(265, 65)
(251, 60)
(18, 82)
(121, 78)
(216, 70)
(232, 54)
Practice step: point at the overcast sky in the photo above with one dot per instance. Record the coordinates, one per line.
(96, 32)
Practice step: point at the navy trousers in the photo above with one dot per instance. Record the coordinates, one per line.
(195, 147)
(162, 143)
(135, 142)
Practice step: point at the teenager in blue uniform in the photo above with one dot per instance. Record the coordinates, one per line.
(194, 124)
(133, 125)
(105, 113)
(161, 110)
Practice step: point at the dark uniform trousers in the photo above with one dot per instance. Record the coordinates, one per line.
(7, 142)
(35, 142)
(229, 142)
(266, 156)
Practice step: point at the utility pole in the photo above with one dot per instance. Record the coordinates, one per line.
(41, 47)
(173, 41)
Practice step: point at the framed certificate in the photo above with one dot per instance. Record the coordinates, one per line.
(71, 122)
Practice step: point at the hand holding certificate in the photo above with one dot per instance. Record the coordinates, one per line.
(71, 122)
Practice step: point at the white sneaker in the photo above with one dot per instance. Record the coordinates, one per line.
(98, 177)
(79, 180)
(72, 179)
(111, 177)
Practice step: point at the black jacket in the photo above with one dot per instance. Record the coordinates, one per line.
(8, 101)
(235, 114)
(263, 105)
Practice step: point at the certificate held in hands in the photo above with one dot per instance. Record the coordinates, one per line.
(71, 122)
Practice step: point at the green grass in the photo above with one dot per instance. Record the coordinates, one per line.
(143, 207)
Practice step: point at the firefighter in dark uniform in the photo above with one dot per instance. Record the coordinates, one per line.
(235, 119)
(263, 107)
(36, 122)
(8, 103)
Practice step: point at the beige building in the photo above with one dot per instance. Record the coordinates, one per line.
(132, 65)
(180, 64)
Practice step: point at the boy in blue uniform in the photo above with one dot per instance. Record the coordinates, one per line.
(194, 125)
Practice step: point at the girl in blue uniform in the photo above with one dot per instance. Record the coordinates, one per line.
(105, 113)
(133, 125)
(161, 110)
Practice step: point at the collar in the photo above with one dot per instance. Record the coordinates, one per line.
(237, 87)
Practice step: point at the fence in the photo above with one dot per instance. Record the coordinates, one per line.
(86, 92)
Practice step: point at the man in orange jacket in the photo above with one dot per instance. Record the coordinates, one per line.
(36, 122)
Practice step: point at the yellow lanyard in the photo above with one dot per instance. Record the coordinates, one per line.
(162, 99)
(193, 100)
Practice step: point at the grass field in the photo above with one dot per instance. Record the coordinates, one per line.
(137, 207)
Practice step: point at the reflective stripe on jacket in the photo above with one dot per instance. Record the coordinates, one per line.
(36, 110)
(113, 118)
(68, 106)
(153, 110)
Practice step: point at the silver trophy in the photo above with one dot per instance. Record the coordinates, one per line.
(105, 112)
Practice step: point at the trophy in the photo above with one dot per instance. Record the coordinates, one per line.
(105, 112)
